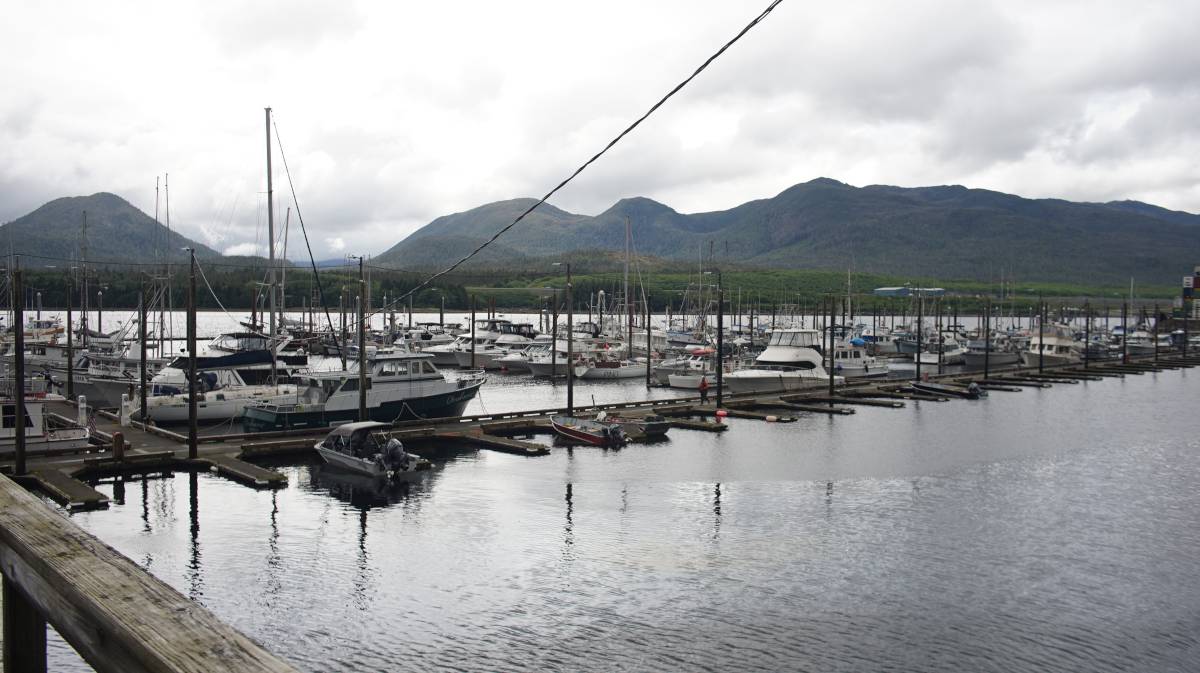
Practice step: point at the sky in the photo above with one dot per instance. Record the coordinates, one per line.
(394, 113)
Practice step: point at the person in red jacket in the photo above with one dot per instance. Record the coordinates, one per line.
(704, 390)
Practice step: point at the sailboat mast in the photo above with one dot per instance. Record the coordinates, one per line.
(287, 224)
(271, 250)
(628, 302)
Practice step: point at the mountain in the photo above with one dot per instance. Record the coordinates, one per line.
(943, 231)
(116, 231)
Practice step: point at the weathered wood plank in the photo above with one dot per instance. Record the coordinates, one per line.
(118, 617)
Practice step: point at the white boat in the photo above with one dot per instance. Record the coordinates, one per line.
(789, 362)
(494, 338)
(1054, 345)
(691, 381)
(517, 361)
(401, 385)
(696, 361)
(609, 369)
(227, 382)
(1142, 342)
(948, 350)
(363, 448)
(547, 363)
(38, 437)
(852, 359)
(1001, 353)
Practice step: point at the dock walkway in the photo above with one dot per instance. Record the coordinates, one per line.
(150, 450)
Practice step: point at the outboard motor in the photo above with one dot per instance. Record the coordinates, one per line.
(395, 456)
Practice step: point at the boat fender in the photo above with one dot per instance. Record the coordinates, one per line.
(771, 419)
(721, 413)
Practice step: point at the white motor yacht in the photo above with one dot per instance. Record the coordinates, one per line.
(790, 361)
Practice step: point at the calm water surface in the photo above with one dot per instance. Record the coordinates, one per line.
(1046, 530)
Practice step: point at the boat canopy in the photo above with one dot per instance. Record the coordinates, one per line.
(350, 428)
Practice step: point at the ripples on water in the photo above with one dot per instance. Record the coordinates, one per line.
(1047, 530)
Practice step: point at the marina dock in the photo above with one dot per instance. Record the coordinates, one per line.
(150, 450)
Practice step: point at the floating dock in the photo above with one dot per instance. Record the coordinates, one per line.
(153, 450)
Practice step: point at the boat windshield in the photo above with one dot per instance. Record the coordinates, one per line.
(791, 338)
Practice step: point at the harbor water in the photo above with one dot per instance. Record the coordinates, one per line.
(1043, 530)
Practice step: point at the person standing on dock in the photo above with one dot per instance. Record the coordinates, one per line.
(703, 390)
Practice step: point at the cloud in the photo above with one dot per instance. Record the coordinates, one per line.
(392, 114)
(245, 249)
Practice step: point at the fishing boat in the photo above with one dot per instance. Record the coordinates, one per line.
(365, 449)
(234, 373)
(517, 361)
(39, 438)
(604, 368)
(850, 358)
(1053, 345)
(695, 362)
(971, 392)
(947, 349)
(1000, 351)
(494, 339)
(401, 385)
(650, 425)
(554, 362)
(588, 431)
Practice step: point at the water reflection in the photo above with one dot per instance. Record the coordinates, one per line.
(977, 536)
(569, 527)
(195, 574)
(716, 512)
(364, 492)
(274, 561)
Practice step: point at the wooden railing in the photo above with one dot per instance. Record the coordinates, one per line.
(118, 617)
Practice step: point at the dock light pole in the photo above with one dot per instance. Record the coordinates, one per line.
(193, 431)
(648, 349)
(70, 340)
(720, 338)
(18, 372)
(362, 343)
(987, 338)
(832, 347)
(920, 329)
(1156, 332)
(1041, 334)
(1124, 333)
(142, 354)
(553, 334)
(720, 341)
(570, 343)
(1087, 334)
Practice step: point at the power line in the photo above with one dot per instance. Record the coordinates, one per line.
(589, 162)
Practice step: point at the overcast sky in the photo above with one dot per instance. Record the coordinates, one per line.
(394, 113)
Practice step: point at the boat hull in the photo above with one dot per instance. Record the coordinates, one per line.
(440, 405)
(1030, 359)
(691, 381)
(558, 368)
(211, 406)
(993, 360)
(622, 372)
(589, 432)
(774, 383)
